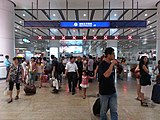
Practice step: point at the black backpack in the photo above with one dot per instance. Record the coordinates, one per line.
(60, 68)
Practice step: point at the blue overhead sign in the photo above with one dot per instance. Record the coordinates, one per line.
(87, 24)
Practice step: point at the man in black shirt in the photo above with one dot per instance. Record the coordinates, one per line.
(80, 69)
(107, 90)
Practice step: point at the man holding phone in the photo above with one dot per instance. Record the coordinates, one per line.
(107, 90)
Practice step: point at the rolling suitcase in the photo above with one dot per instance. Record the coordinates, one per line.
(30, 89)
(156, 94)
(96, 107)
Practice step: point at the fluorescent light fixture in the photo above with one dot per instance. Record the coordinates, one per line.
(26, 40)
(115, 15)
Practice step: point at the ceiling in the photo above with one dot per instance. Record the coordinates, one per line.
(78, 10)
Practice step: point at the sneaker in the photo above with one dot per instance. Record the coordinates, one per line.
(16, 98)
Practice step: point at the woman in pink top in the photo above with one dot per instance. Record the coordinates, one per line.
(85, 83)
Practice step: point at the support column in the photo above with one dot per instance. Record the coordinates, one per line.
(7, 35)
(113, 44)
(158, 33)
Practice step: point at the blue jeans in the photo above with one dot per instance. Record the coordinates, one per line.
(32, 77)
(111, 102)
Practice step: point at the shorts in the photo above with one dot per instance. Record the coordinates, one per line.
(11, 85)
(38, 74)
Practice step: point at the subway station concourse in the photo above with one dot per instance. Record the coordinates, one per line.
(82, 29)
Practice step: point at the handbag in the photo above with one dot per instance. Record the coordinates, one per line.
(145, 80)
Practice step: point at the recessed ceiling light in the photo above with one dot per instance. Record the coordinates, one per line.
(24, 15)
(35, 30)
(145, 14)
(132, 30)
(84, 15)
(100, 33)
(17, 26)
(20, 21)
(151, 30)
(54, 15)
(83, 33)
(115, 15)
(16, 30)
(150, 26)
(152, 33)
(28, 35)
(92, 30)
(74, 30)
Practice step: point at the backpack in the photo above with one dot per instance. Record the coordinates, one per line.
(60, 68)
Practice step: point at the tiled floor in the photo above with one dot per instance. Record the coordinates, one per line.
(64, 106)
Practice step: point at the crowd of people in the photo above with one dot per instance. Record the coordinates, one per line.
(80, 71)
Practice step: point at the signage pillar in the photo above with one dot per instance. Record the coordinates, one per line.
(158, 33)
(7, 36)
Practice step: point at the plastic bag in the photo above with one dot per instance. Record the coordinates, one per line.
(6, 91)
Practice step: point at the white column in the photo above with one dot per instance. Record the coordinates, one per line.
(158, 33)
(113, 44)
(7, 37)
(54, 45)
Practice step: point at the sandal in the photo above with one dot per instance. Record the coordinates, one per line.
(139, 99)
(11, 100)
(16, 98)
(144, 104)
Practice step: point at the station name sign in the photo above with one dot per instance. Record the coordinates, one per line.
(85, 37)
(87, 24)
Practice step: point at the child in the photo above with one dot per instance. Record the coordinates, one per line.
(85, 83)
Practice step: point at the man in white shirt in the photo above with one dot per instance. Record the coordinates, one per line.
(72, 74)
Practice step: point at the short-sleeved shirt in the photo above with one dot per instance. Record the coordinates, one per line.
(106, 85)
(71, 67)
(14, 71)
